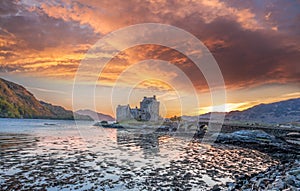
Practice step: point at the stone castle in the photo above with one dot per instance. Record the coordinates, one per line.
(148, 111)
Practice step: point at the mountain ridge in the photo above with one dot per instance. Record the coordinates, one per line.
(286, 111)
(17, 102)
(96, 116)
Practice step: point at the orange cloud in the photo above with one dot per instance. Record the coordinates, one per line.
(106, 16)
(254, 46)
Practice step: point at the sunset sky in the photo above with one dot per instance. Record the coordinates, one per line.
(255, 43)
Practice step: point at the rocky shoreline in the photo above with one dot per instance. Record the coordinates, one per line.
(282, 176)
(56, 158)
(285, 176)
(65, 163)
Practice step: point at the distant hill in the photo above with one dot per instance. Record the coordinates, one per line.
(61, 113)
(95, 115)
(274, 113)
(17, 102)
(278, 112)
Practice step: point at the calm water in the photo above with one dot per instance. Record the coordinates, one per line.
(52, 155)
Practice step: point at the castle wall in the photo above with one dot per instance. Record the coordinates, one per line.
(135, 113)
(154, 111)
(123, 113)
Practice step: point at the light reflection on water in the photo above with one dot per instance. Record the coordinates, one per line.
(48, 154)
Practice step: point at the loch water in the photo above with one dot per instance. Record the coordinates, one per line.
(67, 155)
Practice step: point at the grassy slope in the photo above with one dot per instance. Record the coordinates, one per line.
(17, 102)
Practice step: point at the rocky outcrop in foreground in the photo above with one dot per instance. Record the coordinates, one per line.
(284, 176)
(258, 139)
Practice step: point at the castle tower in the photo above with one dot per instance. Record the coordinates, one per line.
(150, 108)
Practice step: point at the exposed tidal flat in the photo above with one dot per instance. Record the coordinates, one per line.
(60, 155)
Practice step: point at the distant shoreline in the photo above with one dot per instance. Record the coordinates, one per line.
(67, 119)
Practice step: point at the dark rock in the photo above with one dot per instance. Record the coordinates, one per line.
(247, 136)
(216, 188)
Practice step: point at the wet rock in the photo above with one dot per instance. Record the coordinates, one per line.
(195, 169)
(281, 177)
(216, 188)
(248, 136)
(293, 138)
(257, 139)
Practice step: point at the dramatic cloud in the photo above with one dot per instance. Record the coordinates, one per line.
(108, 15)
(34, 42)
(255, 43)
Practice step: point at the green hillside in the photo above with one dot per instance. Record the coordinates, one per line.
(17, 102)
